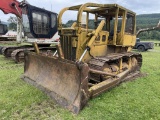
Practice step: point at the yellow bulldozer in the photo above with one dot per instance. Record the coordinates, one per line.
(87, 61)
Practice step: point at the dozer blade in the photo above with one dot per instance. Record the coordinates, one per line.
(61, 79)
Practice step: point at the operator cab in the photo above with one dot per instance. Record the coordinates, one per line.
(3, 29)
(113, 25)
(37, 22)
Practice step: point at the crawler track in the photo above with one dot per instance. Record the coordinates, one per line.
(17, 53)
(6, 51)
(111, 63)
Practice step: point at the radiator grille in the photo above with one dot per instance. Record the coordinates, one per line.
(68, 50)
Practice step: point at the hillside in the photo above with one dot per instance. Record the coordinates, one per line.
(147, 20)
(142, 21)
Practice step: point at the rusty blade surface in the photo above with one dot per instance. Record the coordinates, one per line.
(60, 79)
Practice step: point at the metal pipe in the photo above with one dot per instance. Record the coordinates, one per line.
(55, 53)
(82, 55)
(59, 51)
(36, 47)
(101, 72)
(99, 28)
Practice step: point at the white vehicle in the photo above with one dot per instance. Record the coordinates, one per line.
(9, 36)
(35, 27)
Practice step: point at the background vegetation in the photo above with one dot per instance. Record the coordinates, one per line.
(12, 23)
(143, 21)
(148, 21)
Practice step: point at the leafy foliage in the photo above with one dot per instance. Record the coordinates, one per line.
(142, 21)
(12, 23)
(148, 21)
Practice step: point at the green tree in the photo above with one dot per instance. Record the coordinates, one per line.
(142, 21)
(12, 23)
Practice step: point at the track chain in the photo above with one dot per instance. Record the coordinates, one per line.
(18, 55)
(98, 63)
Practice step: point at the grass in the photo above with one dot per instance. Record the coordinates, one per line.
(150, 40)
(138, 99)
(12, 43)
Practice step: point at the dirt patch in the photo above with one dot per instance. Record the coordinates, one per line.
(45, 109)
(134, 76)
